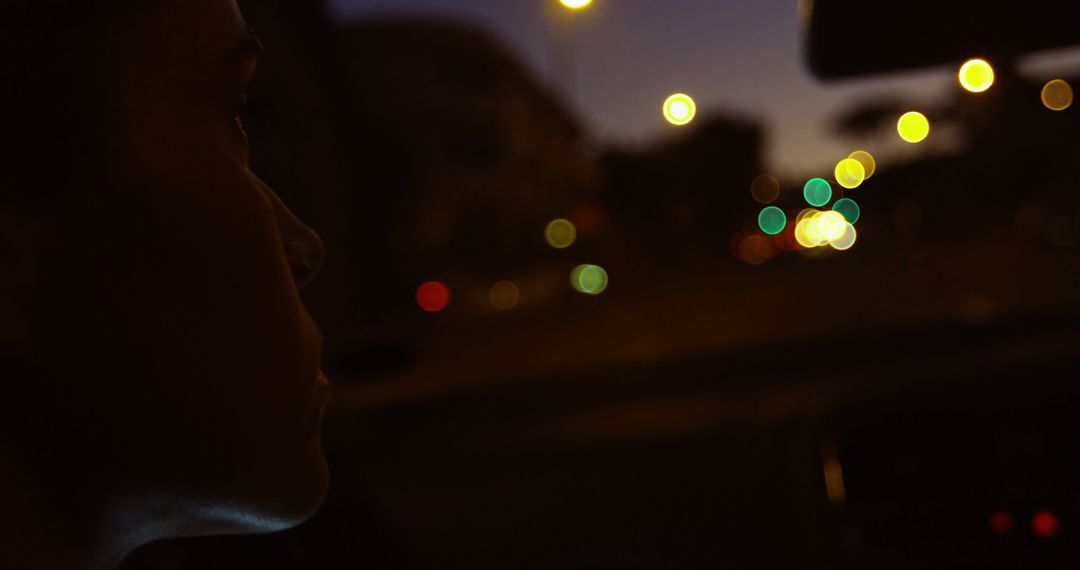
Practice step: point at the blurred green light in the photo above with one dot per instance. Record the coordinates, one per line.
(849, 209)
(772, 220)
(817, 192)
(589, 279)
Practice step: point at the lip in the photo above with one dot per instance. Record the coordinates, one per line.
(320, 399)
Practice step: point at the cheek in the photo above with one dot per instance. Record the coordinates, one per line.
(173, 299)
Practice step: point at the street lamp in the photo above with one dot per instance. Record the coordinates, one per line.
(575, 4)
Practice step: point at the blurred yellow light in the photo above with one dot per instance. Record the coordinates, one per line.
(679, 109)
(808, 230)
(846, 239)
(801, 236)
(765, 189)
(1057, 95)
(831, 225)
(976, 75)
(505, 295)
(913, 127)
(867, 161)
(850, 173)
(576, 4)
(560, 234)
(806, 213)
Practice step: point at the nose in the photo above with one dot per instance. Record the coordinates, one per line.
(304, 249)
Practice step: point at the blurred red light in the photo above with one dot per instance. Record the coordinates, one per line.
(1045, 524)
(433, 296)
(589, 217)
(754, 249)
(786, 241)
(1002, 522)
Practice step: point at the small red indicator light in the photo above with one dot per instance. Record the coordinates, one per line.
(1002, 523)
(1045, 524)
(433, 296)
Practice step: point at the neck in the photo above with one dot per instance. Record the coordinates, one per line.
(42, 531)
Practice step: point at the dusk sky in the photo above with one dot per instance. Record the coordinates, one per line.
(617, 61)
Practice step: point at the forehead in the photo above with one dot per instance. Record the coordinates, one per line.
(185, 33)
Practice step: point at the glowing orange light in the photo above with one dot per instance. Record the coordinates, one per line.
(505, 295)
(433, 296)
(765, 189)
(1045, 524)
(834, 482)
(867, 160)
(1057, 95)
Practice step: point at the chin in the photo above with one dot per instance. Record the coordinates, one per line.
(275, 498)
(303, 494)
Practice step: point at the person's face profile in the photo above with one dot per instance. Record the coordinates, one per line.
(174, 364)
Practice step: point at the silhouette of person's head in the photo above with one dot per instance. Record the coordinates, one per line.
(159, 369)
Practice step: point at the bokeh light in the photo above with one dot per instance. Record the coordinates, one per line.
(576, 4)
(806, 213)
(755, 249)
(505, 295)
(433, 296)
(913, 127)
(1002, 523)
(772, 220)
(976, 75)
(786, 241)
(817, 192)
(850, 173)
(849, 209)
(846, 239)
(680, 109)
(831, 225)
(802, 237)
(589, 279)
(588, 217)
(1045, 524)
(808, 233)
(1057, 95)
(560, 234)
(867, 160)
(765, 189)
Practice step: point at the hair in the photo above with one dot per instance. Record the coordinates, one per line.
(58, 97)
